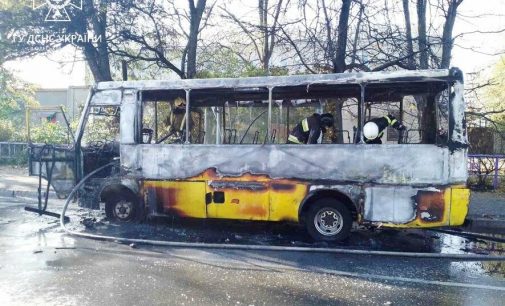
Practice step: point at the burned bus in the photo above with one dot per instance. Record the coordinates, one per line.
(217, 148)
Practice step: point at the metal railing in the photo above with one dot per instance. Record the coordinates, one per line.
(11, 150)
(487, 167)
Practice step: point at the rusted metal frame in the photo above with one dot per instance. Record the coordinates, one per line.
(238, 185)
(204, 125)
(224, 123)
(450, 118)
(138, 119)
(67, 123)
(49, 171)
(250, 124)
(49, 174)
(287, 122)
(336, 78)
(256, 137)
(269, 125)
(495, 178)
(400, 138)
(155, 121)
(78, 136)
(437, 113)
(188, 114)
(218, 126)
(84, 118)
(343, 133)
(361, 114)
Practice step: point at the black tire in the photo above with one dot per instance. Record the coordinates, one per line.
(122, 208)
(330, 211)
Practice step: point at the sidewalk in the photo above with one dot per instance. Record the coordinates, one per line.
(15, 182)
(486, 212)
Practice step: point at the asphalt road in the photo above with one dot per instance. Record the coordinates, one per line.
(42, 265)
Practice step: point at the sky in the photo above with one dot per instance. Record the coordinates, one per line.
(472, 52)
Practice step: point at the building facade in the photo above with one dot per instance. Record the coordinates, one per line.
(71, 98)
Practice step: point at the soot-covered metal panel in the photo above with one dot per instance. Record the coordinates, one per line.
(107, 97)
(381, 164)
(293, 80)
(387, 204)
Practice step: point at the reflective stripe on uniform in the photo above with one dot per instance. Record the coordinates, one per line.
(305, 125)
(390, 122)
(293, 138)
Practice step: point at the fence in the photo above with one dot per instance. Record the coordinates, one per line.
(11, 151)
(485, 170)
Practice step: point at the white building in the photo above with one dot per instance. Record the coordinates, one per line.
(71, 98)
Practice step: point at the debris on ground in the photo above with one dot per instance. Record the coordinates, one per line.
(88, 222)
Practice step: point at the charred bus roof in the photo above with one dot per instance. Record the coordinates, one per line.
(380, 86)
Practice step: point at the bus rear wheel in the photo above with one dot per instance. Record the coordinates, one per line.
(122, 208)
(328, 220)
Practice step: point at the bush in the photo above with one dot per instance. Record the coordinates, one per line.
(20, 159)
(482, 183)
(7, 130)
(49, 132)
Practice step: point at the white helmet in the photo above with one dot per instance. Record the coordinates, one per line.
(370, 130)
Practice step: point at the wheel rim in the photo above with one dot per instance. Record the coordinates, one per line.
(328, 221)
(123, 210)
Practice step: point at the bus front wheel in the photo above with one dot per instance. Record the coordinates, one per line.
(122, 208)
(328, 220)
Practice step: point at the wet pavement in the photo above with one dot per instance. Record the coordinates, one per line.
(42, 265)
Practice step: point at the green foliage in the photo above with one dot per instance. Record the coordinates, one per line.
(19, 159)
(102, 126)
(15, 96)
(7, 131)
(49, 132)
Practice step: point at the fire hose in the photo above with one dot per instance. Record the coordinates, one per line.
(251, 247)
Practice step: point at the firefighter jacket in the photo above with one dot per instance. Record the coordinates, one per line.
(307, 131)
(383, 123)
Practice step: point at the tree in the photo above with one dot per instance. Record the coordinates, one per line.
(324, 41)
(486, 97)
(448, 9)
(26, 33)
(262, 33)
(170, 34)
(15, 97)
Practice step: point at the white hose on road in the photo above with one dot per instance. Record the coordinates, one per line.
(251, 247)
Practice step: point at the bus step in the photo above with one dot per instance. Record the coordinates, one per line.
(47, 213)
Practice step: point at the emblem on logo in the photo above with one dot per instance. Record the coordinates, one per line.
(57, 8)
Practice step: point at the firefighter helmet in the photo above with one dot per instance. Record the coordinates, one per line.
(370, 130)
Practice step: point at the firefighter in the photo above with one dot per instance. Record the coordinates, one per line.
(175, 122)
(310, 128)
(374, 128)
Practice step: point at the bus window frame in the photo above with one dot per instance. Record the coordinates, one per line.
(361, 99)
